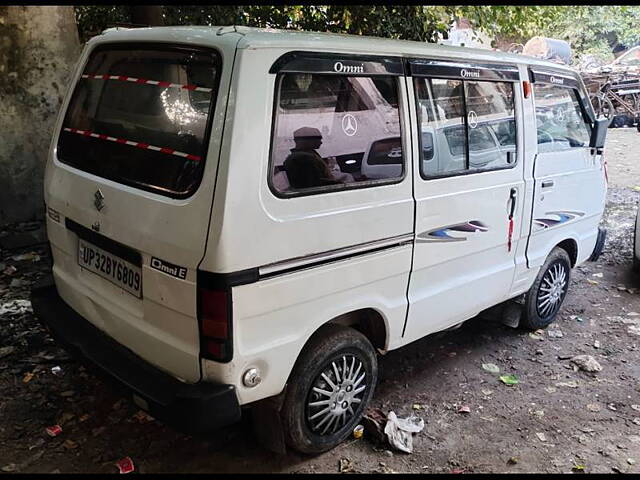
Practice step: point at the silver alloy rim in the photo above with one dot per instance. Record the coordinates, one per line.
(335, 395)
(552, 290)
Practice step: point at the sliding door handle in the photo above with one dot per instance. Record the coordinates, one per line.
(548, 184)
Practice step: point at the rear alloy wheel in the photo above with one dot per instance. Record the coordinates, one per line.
(547, 293)
(329, 388)
(336, 395)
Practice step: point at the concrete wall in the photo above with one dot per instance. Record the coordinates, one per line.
(38, 49)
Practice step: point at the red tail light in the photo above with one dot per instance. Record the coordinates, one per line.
(526, 88)
(214, 316)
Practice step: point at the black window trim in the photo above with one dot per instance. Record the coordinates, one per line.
(301, 61)
(339, 187)
(537, 75)
(156, 45)
(461, 173)
(450, 69)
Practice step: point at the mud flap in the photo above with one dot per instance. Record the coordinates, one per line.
(267, 426)
(597, 250)
(508, 313)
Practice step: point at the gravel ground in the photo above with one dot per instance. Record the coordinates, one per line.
(557, 419)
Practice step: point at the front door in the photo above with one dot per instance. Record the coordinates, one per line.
(468, 189)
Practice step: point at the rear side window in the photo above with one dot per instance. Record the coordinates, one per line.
(560, 121)
(139, 116)
(333, 132)
(465, 125)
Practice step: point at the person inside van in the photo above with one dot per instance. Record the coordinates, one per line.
(304, 166)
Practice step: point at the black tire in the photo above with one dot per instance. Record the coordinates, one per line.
(540, 309)
(332, 343)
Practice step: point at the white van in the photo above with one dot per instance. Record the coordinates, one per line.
(246, 218)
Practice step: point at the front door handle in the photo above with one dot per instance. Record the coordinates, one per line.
(548, 184)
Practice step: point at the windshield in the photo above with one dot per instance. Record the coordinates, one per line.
(632, 57)
(139, 116)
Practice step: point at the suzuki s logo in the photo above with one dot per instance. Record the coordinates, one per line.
(98, 200)
(559, 81)
(464, 73)
(340, 67)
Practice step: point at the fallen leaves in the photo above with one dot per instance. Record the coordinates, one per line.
(6, 351)
(510, 379)
(491, 367)
(569, 384)
(70, 444)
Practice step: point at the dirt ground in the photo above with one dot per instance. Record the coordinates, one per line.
(555, 420)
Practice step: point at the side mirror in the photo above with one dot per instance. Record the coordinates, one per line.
(599, 132)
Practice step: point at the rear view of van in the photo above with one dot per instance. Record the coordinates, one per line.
(128, 209)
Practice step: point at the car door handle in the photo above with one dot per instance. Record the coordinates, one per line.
(548, 184)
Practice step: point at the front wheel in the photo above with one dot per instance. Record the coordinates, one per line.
(328, 390)
(548, 291)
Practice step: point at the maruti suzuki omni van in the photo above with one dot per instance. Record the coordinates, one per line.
(245, 218)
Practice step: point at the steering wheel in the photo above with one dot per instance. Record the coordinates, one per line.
(544, 133)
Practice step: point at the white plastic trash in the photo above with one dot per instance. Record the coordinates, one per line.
(399, 431)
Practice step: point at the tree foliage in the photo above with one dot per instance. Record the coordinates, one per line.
(596, 30)
(589, 29)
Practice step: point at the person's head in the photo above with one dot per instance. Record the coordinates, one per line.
(307, 138)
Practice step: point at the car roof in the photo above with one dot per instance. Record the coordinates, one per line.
(269, 38)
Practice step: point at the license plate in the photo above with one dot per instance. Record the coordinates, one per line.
(120, 272)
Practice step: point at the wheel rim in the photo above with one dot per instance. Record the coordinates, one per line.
(336, 395)
(552, 290)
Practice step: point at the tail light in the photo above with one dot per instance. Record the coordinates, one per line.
(214, 318)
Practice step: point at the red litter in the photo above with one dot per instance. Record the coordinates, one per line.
(125, 465)
(54, 430)
(464, 409)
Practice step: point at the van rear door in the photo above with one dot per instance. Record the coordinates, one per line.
(131, 181)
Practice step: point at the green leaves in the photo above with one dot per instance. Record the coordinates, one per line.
(589, 29)
(509, 379)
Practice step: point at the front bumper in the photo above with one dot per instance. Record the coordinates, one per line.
(189, 408)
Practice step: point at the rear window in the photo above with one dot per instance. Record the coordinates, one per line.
(140, 116)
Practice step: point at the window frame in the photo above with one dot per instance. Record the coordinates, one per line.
(574, 88)
(206, 139)
(467, 171)
(339, 187)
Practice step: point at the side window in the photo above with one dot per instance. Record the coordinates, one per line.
(333, 131)
(466, 126)
(559, 118)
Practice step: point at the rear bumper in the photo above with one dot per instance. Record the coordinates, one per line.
(187, 407)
